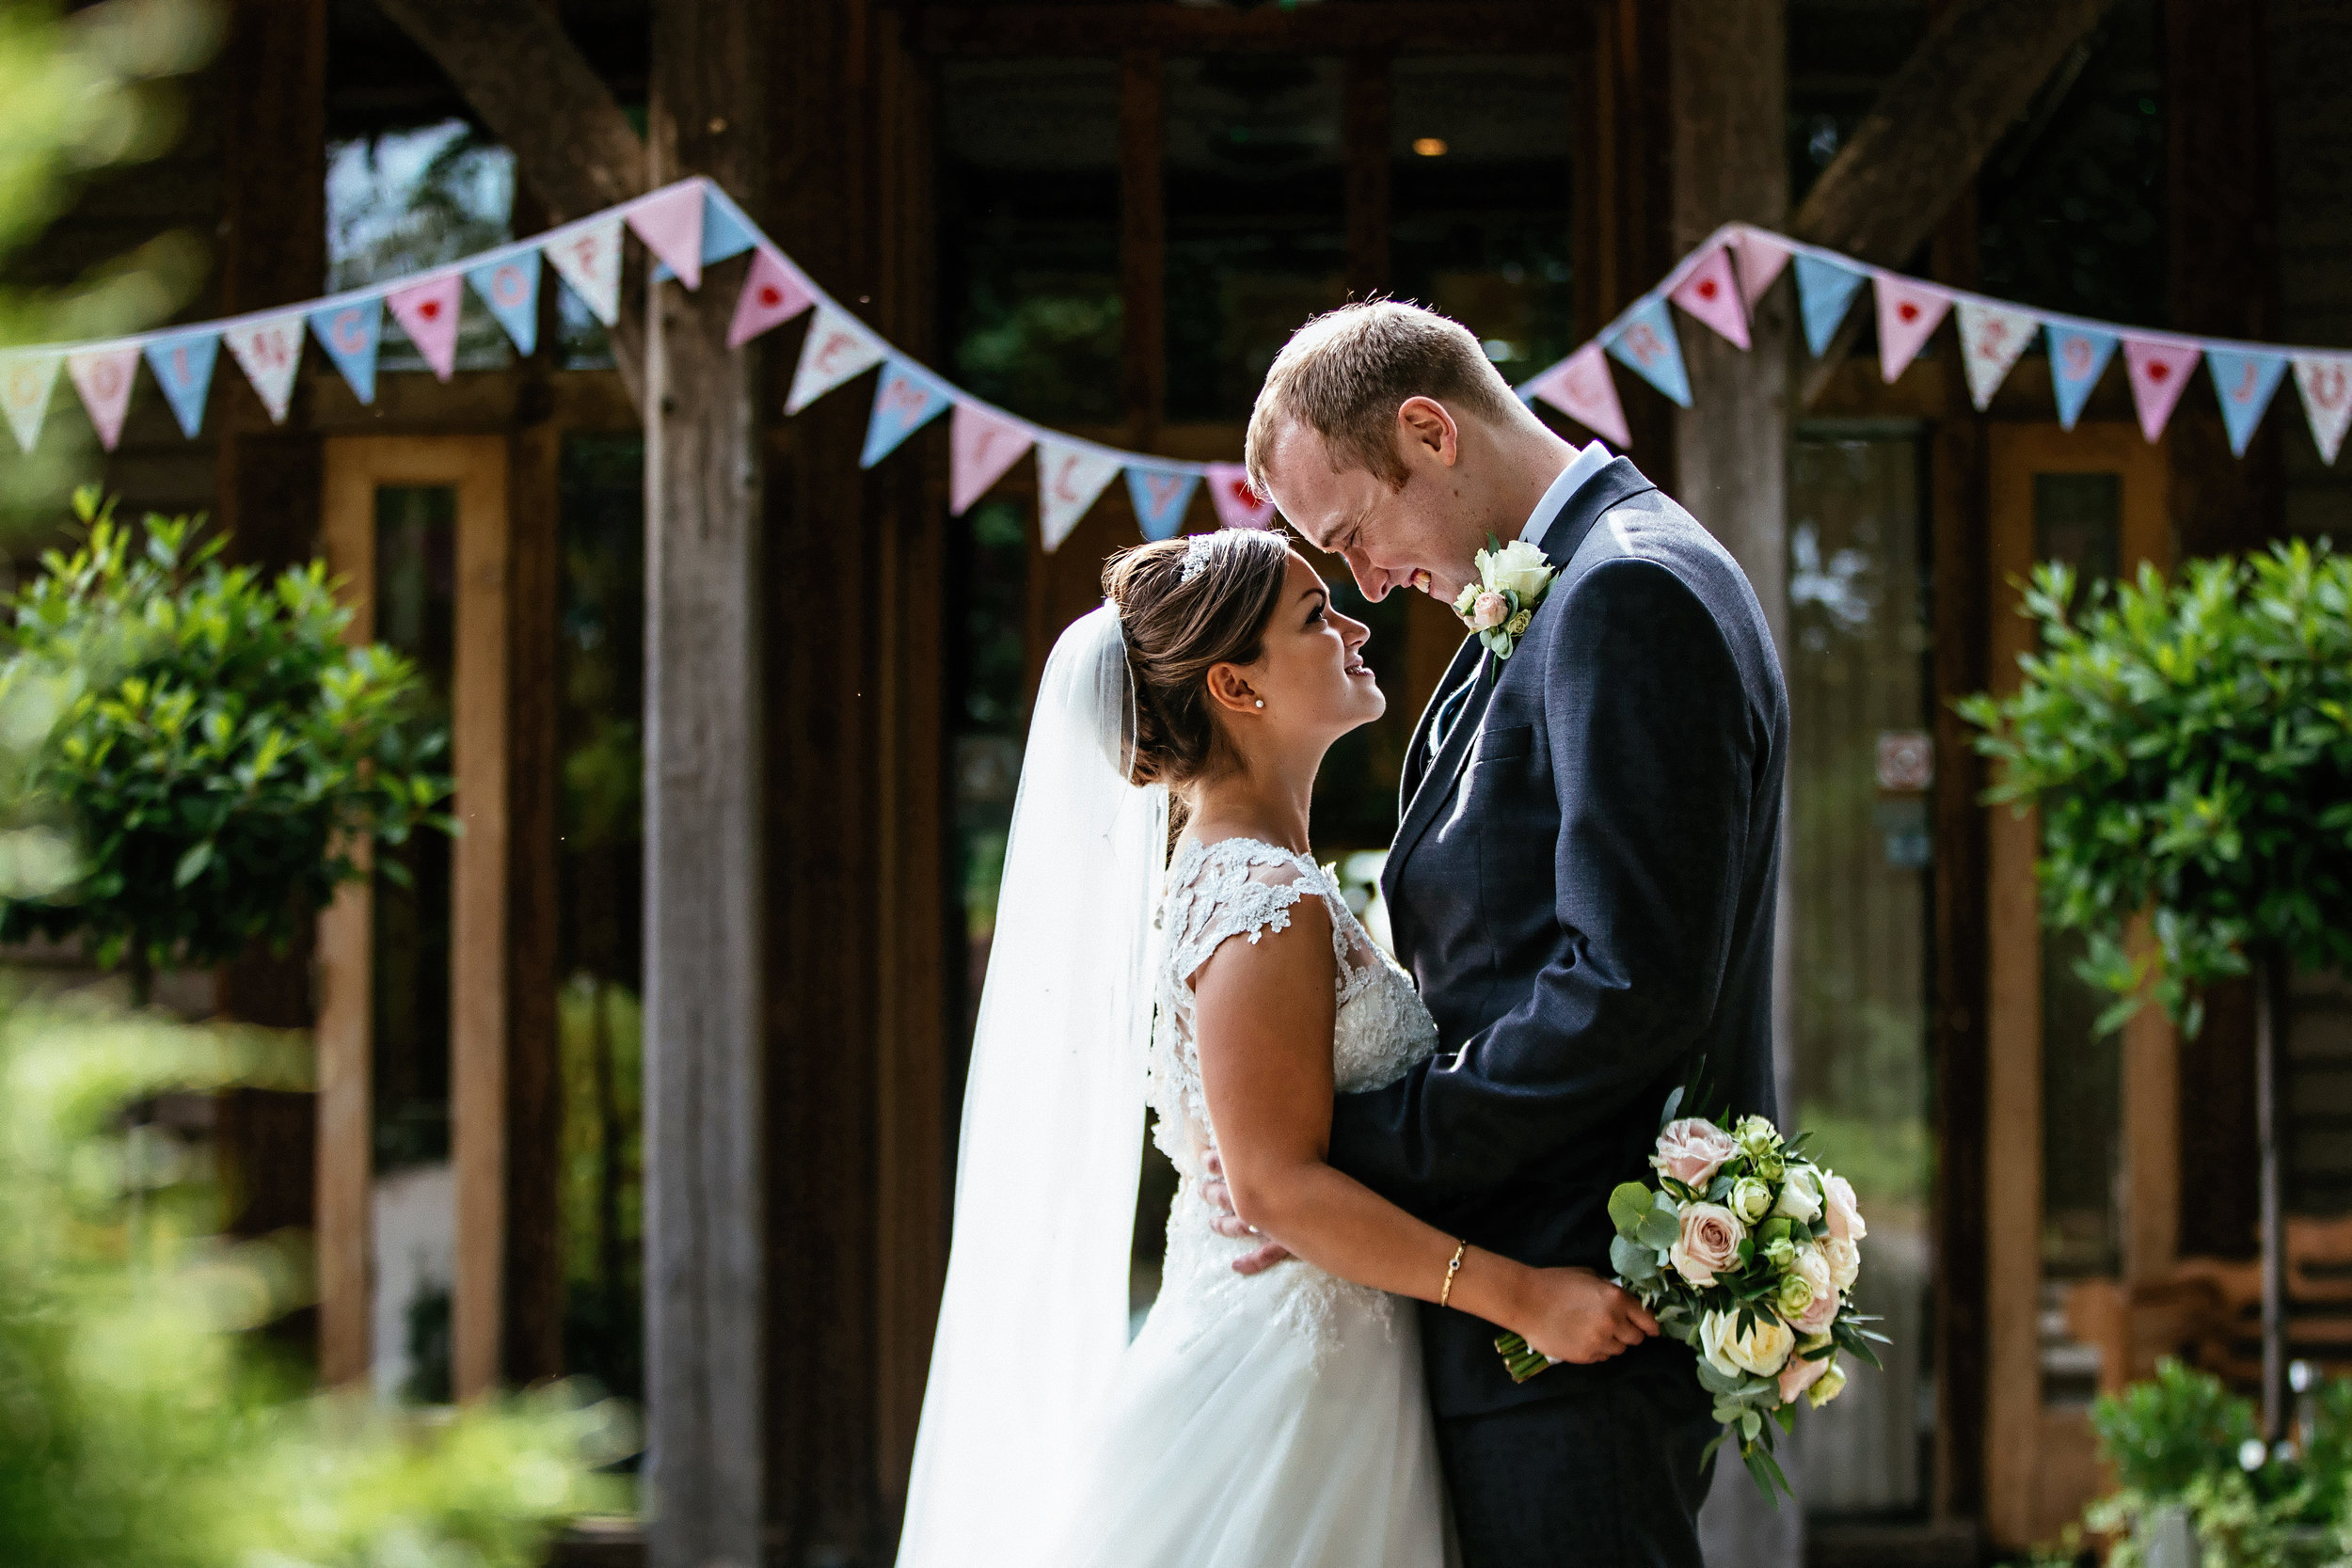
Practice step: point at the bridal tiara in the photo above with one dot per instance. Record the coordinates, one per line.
(1198, 548)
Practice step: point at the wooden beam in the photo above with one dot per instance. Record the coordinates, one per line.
(1365, 117)
(1420, 27)
(1143, 243)
(1934, 124)
(705, 1200)
(540, 96)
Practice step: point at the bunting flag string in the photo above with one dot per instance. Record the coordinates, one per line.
(688, 227)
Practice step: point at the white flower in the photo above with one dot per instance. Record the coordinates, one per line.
(1762, 1351)
(1467, 600)
(1845, 1260)
(1751, 1199)
(1520, 567)
(1845, 1215)
(1800, 1196)
(1814, 1308)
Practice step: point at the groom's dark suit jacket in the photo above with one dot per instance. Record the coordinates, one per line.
(1583, 887)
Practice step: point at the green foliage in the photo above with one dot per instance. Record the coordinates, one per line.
(217, 751)
(136, 1429)
(2161, 1435)
(2189, 747)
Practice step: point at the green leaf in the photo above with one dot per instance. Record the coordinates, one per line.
(1629, 1205)
(1661, 1226)
(192, 865)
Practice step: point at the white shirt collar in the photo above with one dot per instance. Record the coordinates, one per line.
(1582, 467)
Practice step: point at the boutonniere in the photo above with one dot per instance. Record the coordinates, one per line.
(1513, 579)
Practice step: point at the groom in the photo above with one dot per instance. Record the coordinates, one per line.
(1583, 883)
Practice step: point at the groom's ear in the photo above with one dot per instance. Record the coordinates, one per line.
(1425, 428)
(1229, 688)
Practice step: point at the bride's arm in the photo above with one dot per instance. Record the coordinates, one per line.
(1263, 1019)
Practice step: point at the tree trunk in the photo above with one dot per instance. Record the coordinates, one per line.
(1934, 124)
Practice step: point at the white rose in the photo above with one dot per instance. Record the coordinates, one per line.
(1845, 1262)
(1520, 567)
(1800, 1196)
(1751, 1199)
(1762, 1351)
(1845, 1215)
(1466, 600)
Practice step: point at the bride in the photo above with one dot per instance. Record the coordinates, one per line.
(1269, 1419)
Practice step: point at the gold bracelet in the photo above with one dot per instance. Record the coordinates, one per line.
(1452, 1267)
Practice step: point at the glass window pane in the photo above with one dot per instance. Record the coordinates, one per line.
(1257, 219)
(403, 201)
(1857, 676)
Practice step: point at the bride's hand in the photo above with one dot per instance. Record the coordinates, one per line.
(1576, 1315)
(1222, 1220)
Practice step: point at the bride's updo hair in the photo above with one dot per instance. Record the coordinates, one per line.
(1177, 630)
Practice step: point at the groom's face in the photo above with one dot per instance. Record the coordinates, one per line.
(1391, 536)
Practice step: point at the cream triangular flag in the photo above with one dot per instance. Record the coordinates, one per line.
(835, 349)
(26, 379)
(1069, 476)
(589, 259)
(269, 352)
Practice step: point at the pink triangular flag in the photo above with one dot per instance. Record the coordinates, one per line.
(1580, 388)
(1069, 476)
(1761, 259)
(1712, 294)
(1238, 503)
(427, 311)
(670, 224)
(589, 259)
(1990, 339)
(981, 445)
(835, 349)
(2325, 382)
(2159, 374)
(103, 376)
(1908, 313)
(773, 293)
(269, 352)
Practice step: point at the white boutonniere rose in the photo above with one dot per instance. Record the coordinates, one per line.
(1512, 581)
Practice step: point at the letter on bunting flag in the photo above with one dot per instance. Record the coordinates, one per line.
(1761, 257)
(835, 349)
(906, 399)
(1160, 496)
(1238, 503)
(2325, 382)
(104, 377)
(26, 378)
(183, 368)
(427, 311)
(1069, 476)
(2244, 383)
(1990, 339)
(1647, 346)
(2159, 374)
(589, 259)
(670, 224)
(1824, 290)
(1908, 314)
(1579, 387)
(773, 293)
(349, 332)
(981, 445)
(1712, 294)
(510, 287)
(269, 352)
(2077, 356)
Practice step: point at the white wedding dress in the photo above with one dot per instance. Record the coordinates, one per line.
(1275, 1420)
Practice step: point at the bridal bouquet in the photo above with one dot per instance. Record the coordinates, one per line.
(1745, 1250)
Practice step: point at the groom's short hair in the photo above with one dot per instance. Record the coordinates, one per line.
(1347, 371)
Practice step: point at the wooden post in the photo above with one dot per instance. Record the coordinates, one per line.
(2269, 1029)
(1143, 243)
(705, 1208)
(1365, 111)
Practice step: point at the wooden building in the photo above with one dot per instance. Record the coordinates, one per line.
(654, 1075)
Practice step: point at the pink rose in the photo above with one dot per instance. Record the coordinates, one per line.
(1690, 1150)
(1812, 1266)
(1801, 1375)
(1845, 1215)
(1711, 1240)
(1491, 610)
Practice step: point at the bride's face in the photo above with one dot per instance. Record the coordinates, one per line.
(1312, 676)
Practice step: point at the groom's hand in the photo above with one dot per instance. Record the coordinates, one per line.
(1225, 1222)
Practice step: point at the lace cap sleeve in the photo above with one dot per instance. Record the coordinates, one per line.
(1234, 888)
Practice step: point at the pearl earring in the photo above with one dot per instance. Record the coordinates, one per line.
(1262, 701)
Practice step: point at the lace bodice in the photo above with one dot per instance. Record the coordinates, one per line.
(1240, 887)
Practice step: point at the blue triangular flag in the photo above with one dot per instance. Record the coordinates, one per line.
(1824, 290)
(1646, 344)
(510, 287)
(905, 400)
(184, 366)
(2244, 383)
(349, 333)
(2078, 356)
(723, 235)
(1161, 496)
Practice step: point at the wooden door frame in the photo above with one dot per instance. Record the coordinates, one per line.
(476, 466)
(2037, 1464)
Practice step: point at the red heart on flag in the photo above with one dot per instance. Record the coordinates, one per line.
(2158, 370)
(1907, 311)
(1243, 493)
(429, 310)
(769, 295)
(1707, 288)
